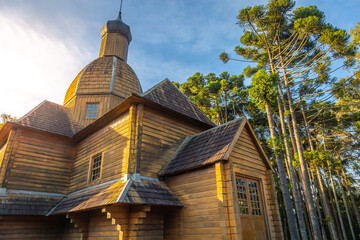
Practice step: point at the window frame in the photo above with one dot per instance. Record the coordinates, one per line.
(249, 202)
(92, 113)
(91, 162)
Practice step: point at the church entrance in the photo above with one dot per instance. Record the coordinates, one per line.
(251, 206)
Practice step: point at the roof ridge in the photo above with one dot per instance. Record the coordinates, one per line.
(154, 87)
(218, 126)
(196, 111)
(181, 146)
(31, 111)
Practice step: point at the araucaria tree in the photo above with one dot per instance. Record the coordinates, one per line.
(312, 120)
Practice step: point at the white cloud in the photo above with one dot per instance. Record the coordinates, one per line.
(34, 64)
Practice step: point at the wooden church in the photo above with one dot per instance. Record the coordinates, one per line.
(114, 162)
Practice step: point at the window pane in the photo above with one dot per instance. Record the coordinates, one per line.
(92, 110)
(254, 199)
(241, 191)
(95, 170)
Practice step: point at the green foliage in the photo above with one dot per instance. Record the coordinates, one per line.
(264, 89)
(221, 97)
(5, 118)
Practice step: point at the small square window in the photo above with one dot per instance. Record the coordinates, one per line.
(95, 167)
(92, 110)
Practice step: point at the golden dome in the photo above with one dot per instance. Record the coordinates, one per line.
(105, 75)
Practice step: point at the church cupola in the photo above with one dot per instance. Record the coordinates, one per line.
(115, 40)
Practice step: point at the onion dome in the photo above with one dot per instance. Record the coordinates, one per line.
(107, 75)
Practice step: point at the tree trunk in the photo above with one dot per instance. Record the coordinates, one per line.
(295, 190)
(316, 196)
(337, 206)
(346, 206)
(283, 181)
(356, 209)
(332, 202)
(303, 167)
(326, 207)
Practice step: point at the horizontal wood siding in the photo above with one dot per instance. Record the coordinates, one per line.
(200, 216)
(102, 227)
(78, 109)
(30, 228)
(161, 137)
(113, 142)
(248, 162)
(39, 163)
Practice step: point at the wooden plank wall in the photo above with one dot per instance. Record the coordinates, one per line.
(39, 163)
(113, 142)
(78, 109)
(102, 227)
(30, 227)
(161, 137)
(114, 44)
(247, 161)
(200, 217)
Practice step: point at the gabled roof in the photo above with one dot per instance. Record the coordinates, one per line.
(203, 148)
(168, 95)
(153, 192)
(50, 117)
(209, 147)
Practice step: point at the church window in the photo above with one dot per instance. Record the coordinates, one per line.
(95, 167)
(248, 196)
(92, 110)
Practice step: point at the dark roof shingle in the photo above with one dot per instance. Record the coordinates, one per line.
(50, 117)
(203, 148)
(168, 95)
(121, 191)
(97, 196)
(151, 192)
(27, 204)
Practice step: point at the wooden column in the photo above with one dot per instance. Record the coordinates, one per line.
(138, 137)
(10, 150)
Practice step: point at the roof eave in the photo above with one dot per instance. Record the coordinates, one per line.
(124, 106)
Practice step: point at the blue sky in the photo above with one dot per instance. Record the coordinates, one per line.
(45, 43)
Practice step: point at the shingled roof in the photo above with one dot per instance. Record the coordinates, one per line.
(151, 192)
(203, 148)
(27, 204)
(50, 117)
(168, 95)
